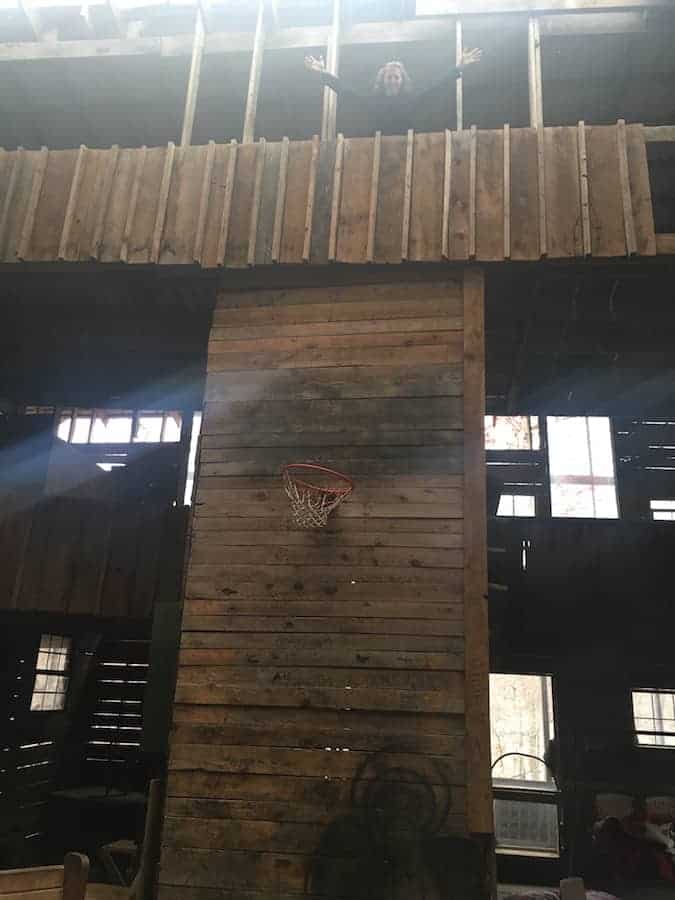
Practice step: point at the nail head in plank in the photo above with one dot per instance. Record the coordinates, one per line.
(72, 202)
(204, 202)
(36, 190)
(162, 202)
(281, 201)
(507, 191)
(407, 194)
(583, 184)
(311, 193)
(447, 184)
(255, 203)
(106, 191)
(133, 202)
(624, 175)
(227, 203)
(374, 190)
(9, 196)
(337, 191)
(472, 191)
(541, 188)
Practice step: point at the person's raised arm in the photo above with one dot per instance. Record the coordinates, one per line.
(317, 67)
(469, 58)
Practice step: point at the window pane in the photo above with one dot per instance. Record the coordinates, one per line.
(81, 430)
(568, 446)
(581, 464)
(521, 825)
(511, 433)
(654, 717)
(602, 457)
(172, 425)
(662, 504)
(63, 430)
(521, 715)
(111, 429)
(572, 500)
(149, 429)
(523, 505)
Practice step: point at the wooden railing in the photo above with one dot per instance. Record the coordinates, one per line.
(519, 194)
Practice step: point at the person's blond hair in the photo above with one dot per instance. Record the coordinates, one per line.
(406, 83)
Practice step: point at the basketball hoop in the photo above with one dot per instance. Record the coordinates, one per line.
(311, 504)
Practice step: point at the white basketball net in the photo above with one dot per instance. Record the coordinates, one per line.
(310, 505)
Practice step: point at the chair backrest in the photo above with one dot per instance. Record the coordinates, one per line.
(143, 884)
(66, 882)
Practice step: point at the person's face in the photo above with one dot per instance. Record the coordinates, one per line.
(393, 81)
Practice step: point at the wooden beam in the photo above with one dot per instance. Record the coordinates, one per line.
(459, 86)
(626, 196)
(72, 202)
(336, 199)
(507, 191)
(162, 202)
(255, 203)
(665, 244)
(204, 202)
(193, 80)
(659, 133)
(34, 199)
(329, 109)
(476, 634)
(534, 74)
(281, 201)
(311, 195)
(248, 134)
(541, 191)
(407, 195)
(447, 186)
(473, 161)
(104, 202)
(583, 186)
(227, 204)
(374, 194)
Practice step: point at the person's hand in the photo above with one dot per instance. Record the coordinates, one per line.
(471, 56)
(315, 63)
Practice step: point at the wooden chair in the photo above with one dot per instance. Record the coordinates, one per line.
(66, 882)
(141, 888)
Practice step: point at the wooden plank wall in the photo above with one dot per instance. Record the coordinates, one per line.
(484, 195)
(298, 646)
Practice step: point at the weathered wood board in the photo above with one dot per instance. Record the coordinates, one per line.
(513, 194)
(317, 664)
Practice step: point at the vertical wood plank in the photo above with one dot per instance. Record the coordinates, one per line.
(524, 194)
(281, 202)
(193, 80)
(133, 201)
(357, 169)
(311, 193)
(638, 171)
(268, 203)
(335, 203)
(390, 200)
(629, 221)
(323, 203)
(459, 84)
(72, 203)
(204, 203)
(563, 208)
(36, 190)
(329, 108)
(472, 191)
(255, 202)
(583, 185)
(237, 243)
(507, 191)
(182, 209)
(476, 635)
(489, 216)
(447, 185)
(407, 195)
(426, 206)
(459, 195)
(541, 183)
(608, 236)
(374, 190)
(160, 217)
(227, 204)
(105, 201)
(248, 134)
(9, 196)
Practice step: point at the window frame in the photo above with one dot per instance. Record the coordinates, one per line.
(65, 650)
(656, 734)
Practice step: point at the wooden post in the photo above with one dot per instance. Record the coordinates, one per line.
(541, 188)
(507, 191)
(9, 196)
(447, 185)
(162, 202)
(407, 194)
(329, 112)
(583, 185)
(248, 135)
(626, 196)
(534, 74)
(473, 161)
(459, 52)
(75, 876)
(255, 203)
(204, 202)
(193, 80)
(311, 194)
(36, 190)
(104, 201)
(133, 201)
(337, 196)
(476, 636)
(72, 202)
(374, 193)
(227, 204)
(280, 208)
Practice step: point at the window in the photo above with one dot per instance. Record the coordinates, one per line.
(521, 717)
(654, 717)
(51, 680)
(516, 505)
(512, 433)
(82, 426)
(581, 465)
(192, 459)
(662, 510)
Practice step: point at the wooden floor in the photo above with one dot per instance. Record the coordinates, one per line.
(320, 668)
